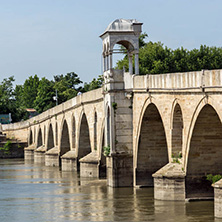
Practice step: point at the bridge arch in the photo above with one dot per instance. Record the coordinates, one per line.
(204, 153)
(30, 140)
(73, 124)
(176, 130)
(151, 147)
(50, 138)
(56, 134)
(84, 146)
(39, 137)
(207, 100)
(64, 142)
(95, 128)
(101, 144)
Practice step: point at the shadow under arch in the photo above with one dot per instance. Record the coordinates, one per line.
(30, 137)
(84, 146)
(102, 165)
(177, 131)
(50, 139)
(64, 140)
(204, 154)
(151, 150)
(39, 138)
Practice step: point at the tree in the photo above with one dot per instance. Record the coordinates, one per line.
(44, 99)
(30, 90)
(94, 84)
(66, 86)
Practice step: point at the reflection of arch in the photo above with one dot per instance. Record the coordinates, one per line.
(30, 137)
(177, 130)
(64, 141)
(84, 141)
(204, 154)
(151, 149)
(50, 140)
(39, 138)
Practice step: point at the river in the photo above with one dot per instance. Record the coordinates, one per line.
(30, 192)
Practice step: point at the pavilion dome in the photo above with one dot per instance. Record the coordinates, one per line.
(122, 25)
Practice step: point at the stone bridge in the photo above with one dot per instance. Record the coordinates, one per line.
(162, 130)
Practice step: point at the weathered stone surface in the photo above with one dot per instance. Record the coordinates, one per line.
(218, 199)
(169, 183)
(89, 165)
(120, 170)
(69, 161)
(52, 157)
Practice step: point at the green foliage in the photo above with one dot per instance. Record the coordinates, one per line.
(94, 84)
(106, 150)
(176, 157)
(154, 58)
(66, 86)
(114, 105)
(44, 99)
(7, 146)
(213, 178)
(30, 91)
(38, 93)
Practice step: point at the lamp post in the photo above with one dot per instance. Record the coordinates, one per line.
(56, 98)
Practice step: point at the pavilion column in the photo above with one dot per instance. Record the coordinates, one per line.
(137, 63)
(107, 62)
(110, 60)
(104, 63)
(130, 64)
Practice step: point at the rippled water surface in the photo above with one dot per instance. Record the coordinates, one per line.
(30, 192)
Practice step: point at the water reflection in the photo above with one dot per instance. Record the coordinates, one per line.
(31, 192)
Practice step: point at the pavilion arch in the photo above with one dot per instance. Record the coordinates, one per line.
(39, 138)
(127, 43)
(64, 142)
(204, 156)
(151, 148)
(84, 146)
(50, 138)
(176, 130)
(30, 140)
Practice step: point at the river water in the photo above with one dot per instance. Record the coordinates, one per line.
(30, 192)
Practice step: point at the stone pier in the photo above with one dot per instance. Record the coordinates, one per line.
(69, 161)
(52, 157)
(89, 165)
(39, 154)
(218, 199)
(169, 183)
(120, 170)
(29, 152)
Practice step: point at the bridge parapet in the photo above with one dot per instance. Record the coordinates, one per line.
(209, 80)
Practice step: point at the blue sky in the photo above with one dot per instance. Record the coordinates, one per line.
(50, 37)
